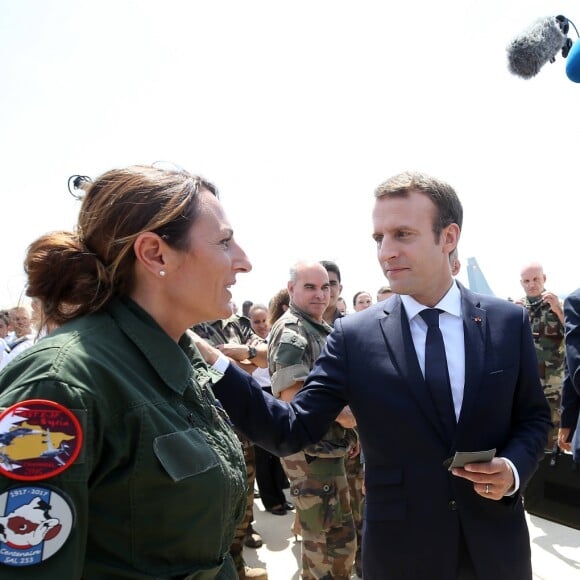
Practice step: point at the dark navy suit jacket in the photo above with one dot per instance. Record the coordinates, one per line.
(415, 509)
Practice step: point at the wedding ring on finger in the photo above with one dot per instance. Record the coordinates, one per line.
(487, 488)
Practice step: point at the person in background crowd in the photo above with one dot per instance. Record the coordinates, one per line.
(546, 314)
(270, 476)
(341, 305)
(383, 293)
(352, 461)
(258, 316)
(4, 322)
(361, 301)
(317, 475)
(454, 262)
(24, 335)
(332, 312)
(246, 308)
(279, 303)
(141, 475)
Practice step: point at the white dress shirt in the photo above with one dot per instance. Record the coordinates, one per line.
(451, 325)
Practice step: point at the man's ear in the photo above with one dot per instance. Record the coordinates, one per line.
(450, 236)
(150, 252)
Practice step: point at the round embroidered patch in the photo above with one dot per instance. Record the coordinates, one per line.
(35, 522)
(38, 439)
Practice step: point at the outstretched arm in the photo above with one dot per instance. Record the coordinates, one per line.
(276, 425)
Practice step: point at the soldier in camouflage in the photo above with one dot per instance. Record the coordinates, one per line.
(547, 320)
(317, 475)
(353, 464)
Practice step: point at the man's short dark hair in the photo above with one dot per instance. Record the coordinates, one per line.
(449, 208)
(331, 266)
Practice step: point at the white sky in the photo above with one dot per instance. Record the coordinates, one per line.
(296, 110)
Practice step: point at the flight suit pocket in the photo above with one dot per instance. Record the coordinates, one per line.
(318, 503)
(179, 485)
(184, 454)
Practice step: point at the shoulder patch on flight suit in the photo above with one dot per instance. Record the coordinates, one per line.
(39, 439)
(291, 348)
(35, 522)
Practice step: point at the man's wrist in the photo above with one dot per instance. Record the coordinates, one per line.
(516, 483)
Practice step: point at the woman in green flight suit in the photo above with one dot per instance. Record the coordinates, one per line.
(116, 461)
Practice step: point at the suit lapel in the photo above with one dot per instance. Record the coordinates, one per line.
(474, 330)
(397, 335)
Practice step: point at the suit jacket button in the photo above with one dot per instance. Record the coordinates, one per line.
(453, 505)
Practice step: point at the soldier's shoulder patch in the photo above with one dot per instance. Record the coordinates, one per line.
(289, 318)
(291, 348)
(38, 439)
(35, 522)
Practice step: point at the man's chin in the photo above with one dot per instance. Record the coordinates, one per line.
(397, 288)
(224, 312)
(316, 314)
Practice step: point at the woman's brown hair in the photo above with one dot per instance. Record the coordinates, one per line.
(77, 273)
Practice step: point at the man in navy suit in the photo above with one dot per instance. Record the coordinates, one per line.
(421, 520)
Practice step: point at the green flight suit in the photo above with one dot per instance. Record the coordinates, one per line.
(160, 484)
(237, 330)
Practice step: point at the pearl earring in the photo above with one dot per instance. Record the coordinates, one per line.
(162, 273)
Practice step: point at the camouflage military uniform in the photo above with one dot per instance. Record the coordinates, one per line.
(317, 474)
(548, 334)
(355, 476)
(236, 329)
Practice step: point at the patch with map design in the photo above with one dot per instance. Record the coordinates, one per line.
(38, 439)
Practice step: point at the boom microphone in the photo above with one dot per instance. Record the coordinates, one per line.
(537, 45)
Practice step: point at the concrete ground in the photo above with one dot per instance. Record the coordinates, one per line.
(555, 548)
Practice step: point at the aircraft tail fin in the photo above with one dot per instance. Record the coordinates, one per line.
(477, 281)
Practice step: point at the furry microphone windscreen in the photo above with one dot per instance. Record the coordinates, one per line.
(535, 46)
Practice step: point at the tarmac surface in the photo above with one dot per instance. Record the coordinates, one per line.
(555, 548)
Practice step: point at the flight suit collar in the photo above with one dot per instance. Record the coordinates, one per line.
(169, 359)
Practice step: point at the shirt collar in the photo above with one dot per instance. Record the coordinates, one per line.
(174, 363)
(450, 303)
(320, 324)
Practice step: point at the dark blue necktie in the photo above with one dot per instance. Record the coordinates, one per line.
(436, 372)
